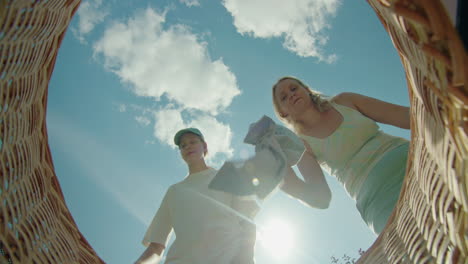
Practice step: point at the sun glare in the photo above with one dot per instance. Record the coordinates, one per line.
(277, 237)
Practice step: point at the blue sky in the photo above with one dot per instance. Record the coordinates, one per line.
(129, 74)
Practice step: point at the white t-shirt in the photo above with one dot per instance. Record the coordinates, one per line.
(207, 229)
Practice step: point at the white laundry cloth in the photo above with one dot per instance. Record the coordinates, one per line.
(276, 148)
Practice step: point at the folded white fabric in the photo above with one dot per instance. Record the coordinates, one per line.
(276, 147)
(264, 129)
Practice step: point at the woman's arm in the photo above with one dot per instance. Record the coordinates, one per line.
(152, 254)
(313, 190)
(379, 111)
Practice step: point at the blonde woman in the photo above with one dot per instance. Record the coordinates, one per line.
(341, 135)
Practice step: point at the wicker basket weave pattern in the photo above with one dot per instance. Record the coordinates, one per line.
(35, 224)
(428, 225)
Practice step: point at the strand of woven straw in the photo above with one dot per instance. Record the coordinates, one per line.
(430, 221)
(429, 224)
(35, 223)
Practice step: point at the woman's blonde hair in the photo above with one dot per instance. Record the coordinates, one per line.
(320, 101)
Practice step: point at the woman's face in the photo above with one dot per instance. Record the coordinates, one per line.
(191, 147)
(291, 98)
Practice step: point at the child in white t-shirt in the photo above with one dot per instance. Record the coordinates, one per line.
(210, 226)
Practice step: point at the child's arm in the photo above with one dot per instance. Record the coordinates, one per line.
(158, 232)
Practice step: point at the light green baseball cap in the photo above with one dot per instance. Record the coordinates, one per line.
(181, 132)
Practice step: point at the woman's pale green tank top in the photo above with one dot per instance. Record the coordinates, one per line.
(351, 151)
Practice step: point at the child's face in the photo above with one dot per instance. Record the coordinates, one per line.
(191, 147)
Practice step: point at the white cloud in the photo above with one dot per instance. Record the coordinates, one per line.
(217, 135)
(172, 62)
(168, 122)
(190, 3)
(300, 22)
(142, 120)
(122, 108)
(90, 13)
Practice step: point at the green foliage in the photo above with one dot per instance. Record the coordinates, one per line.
(345, 259)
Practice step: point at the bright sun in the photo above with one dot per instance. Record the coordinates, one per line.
(277, 237)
